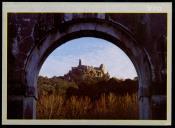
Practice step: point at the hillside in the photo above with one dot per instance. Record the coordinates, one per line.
(87, 92)
(86, 80)
(91, 88)
(96, 99)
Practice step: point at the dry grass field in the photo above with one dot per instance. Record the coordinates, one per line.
(108, 106)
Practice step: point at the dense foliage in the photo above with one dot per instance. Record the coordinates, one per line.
(92, 88)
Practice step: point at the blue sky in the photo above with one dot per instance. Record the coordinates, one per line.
(92, 52)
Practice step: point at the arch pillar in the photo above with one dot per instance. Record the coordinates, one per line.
(21, 101)
(145, 110)
(21, 107)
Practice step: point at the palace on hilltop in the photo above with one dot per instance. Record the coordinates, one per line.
(85, 72)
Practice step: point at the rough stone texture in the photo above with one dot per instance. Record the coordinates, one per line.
(159, 105)
(29, 104)
(32, 37)
(20, 107)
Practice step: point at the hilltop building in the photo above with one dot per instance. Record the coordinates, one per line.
(87, 72)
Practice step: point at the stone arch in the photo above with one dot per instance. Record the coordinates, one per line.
(107, 30)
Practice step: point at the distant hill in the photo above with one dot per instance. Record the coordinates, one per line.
(86, 80)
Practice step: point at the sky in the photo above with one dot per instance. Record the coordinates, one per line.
(93, 52)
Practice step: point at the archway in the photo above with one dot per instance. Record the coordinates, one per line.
(114, 33)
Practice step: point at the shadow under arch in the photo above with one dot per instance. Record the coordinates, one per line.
(114, 33)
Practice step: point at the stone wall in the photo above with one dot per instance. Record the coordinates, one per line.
(31, 38)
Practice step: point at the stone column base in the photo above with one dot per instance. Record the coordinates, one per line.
(20, 107)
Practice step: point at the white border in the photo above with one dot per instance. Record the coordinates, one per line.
(80, 7)
(100, 7)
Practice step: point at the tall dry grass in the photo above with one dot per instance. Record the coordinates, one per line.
(108, 106)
